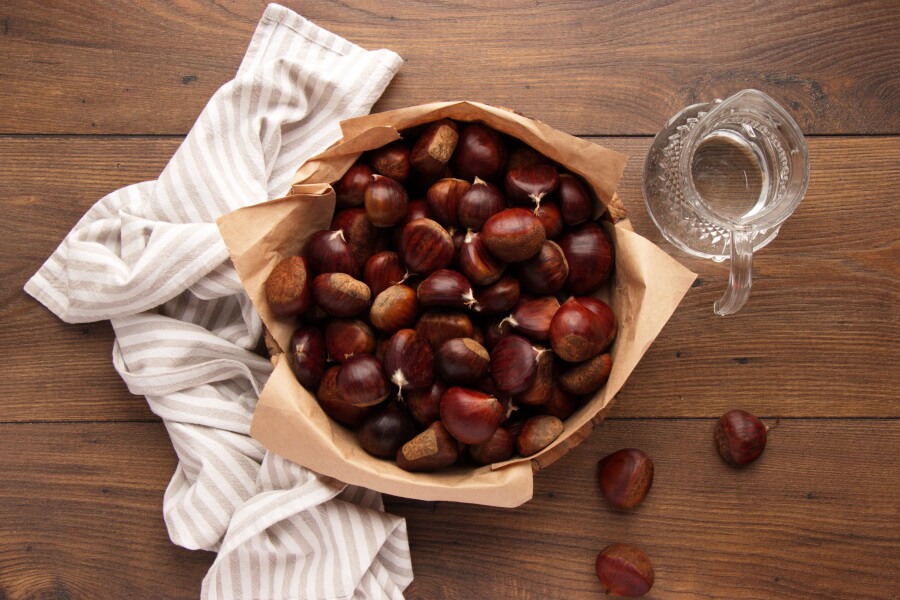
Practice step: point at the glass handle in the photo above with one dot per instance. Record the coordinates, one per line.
(741, 277)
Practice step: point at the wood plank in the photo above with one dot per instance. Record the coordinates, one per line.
(834, 360)
(148, 66)
(81, 505)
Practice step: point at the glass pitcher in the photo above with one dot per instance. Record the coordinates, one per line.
(721, 178)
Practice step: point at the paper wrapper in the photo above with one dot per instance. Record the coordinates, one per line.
(647, 287)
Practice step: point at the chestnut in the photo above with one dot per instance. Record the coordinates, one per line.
(587, 377)
(545, 272)
(480, 202)
(514, 363)
(589, 252)
(383, 270)
(350, 189)
(308, 356)
(443, 199)
(469, 415)
(435, 146)
(425, 246)
(532, 318)
(526, 156)
(394, 308)
(499, 447)
(418, 209)
(576, 333)
(529, 185)
(431, 450)
(391, 161)
(495, 331)
(499, 297)
(385, 432)
(461, 361)
(438, 326)
(386, 201)
(575, 201)
(425, 405)
(551, 219)
(605, 312)
(480, 152)
(541, 387)
(624, 571)
(537, 433)
(446, 288)
(625, 477)
(340, 295)
(514, 234)
(561, 404)
(409, 361)
(740, 437)
(287, 287)
(329, 252)
(361, 381)
(476, 262)
(359, 232)
(335, 407)
(347, 337)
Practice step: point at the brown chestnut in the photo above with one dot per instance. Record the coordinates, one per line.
(425, 246)
(446, 288)
(385, 432)
(335, 407)
(350, 189)
(476, 262)
(537, 433)
(561, 404)
(439, 326)
(383, 270)
(480, 152)
(386, 201)
(435, 146)
(361, 381)
(514, 363)
(443, 198)
(575, 201)
(740, 437)
(461, 361)
(551, 219)
(576, 333)
(587, 377)
(589, 252)
(329, 252)
(418, 209)
(308, 356)
(409, 361)
(347, 337)
(624, 571)
(495, 331)
(359, 232)
(469, 415)
(425, 405)
(394, 308)
(499, 447)
(541, 388)
(391, 161)
(545, 272)
(529, 185)
(340, 295)
(532, 318)
(526, 156)
(514, 234)
(605, 312)
(499, 297)
(288, 288)
(480, 202)
(625, 477)
(431, 450)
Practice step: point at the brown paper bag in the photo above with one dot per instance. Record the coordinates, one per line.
(647, 287)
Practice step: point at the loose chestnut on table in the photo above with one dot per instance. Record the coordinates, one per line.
(625, 477)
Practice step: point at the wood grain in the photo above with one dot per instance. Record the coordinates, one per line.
(149, 66)
(818, 337)
(82, 518)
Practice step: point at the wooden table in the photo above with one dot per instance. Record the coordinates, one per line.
(97, 95)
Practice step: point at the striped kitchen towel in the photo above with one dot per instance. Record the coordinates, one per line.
(149, 258)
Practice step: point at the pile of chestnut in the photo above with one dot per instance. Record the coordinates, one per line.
(448, 313)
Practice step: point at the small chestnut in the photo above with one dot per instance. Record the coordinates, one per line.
(576, 333)
(340, 295)
(545, 272)
(740, 437)
(532, 318)
(499, 297)
(386, 201)
(383, 270)
(347, 337)
(386, 431)
(461, 361)
(335, 407)
(541, 389)
(439, 326)
(329, 252)
(446, 288)
(625, 477)
(575, 201)
(394, 308)
(480, 202)
(359, 232)
(425, 246)
(469, 415)
(587, 377)
(431, 450)
(514, 363)
(425, 405)
(537, 433)
(409, 361)
(480, 152)
(308, 356)
(443, 198)
(476, 262)
(350, 189)
(361, 381)
(391, 161)
(551, 218)
(529, 185)
(624, 571)
(514, 234)
(433, 149)
(589, 252)
(499, 447)
(288, 287)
